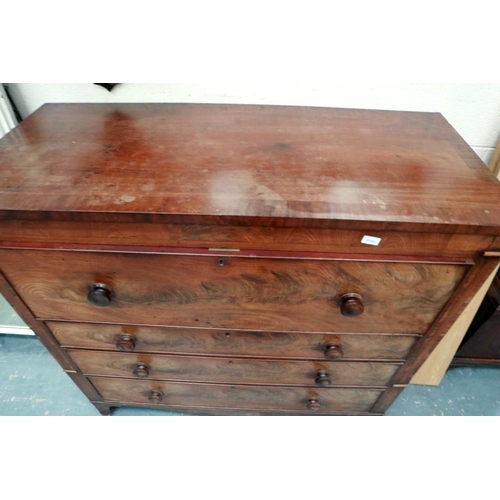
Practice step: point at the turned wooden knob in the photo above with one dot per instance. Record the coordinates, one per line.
(351, 305)
(100, 295)
(313, 404)
(141, 370)
(126, 343)
(323, 378)
(333, 351)
(155, 396)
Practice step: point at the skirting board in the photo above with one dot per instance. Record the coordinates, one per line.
(15, 330)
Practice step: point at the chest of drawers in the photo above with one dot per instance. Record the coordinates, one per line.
(229, 259)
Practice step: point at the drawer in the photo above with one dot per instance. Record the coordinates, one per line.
(234, 370)
(273, 294)
(237, 397)
(144, 339)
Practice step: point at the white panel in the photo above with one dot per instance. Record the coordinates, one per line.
(484, 153)
(7, 120)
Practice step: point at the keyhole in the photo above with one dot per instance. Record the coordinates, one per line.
(221, 262)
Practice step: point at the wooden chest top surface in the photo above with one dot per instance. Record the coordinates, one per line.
(242, 164)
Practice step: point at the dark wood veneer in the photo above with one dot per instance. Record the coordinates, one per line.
(240, 343)
(192, 163)
(270, 294)
(238, 397)
(233, 370)
(213, 259)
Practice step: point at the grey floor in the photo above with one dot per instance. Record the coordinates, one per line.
(32, 383)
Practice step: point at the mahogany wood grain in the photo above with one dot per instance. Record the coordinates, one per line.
(245, 238)
(264, 294)
(232, 252)
(233, 370)
(464, 294)
(220, 240)
(293, 399)
(224, 163)
(233, 343)
(495, 245)
(438, 362)
(426, 344)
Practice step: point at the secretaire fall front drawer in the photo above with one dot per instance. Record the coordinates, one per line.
(192, 290)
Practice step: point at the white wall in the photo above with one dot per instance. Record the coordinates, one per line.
(472, 108)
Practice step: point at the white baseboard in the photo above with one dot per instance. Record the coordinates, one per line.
(15, 330)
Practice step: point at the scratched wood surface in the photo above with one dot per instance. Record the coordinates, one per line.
(266, 165)
(232, 396)
(232, 343)
(257, 293)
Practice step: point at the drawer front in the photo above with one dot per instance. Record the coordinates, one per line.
(143, 339)
(275, 294)
(234, 371)
(237, 397)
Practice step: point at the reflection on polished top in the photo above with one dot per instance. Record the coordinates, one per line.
(222, 164)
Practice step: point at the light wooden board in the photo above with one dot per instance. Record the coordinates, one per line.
(495, 161)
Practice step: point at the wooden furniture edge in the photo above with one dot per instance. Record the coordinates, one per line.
(423, 348)
(494, 163)
(386, 399)
(47, 339)
(492, 254)
(104, 407)
(436, 365)
(250, 221)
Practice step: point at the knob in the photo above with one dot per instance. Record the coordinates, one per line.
(100, 295)
(126, 343)
(155, 396)
(141, 370)
(333, 351)
(351, 305)
(313, 404)
(323, 378)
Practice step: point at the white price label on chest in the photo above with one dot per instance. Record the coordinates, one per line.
(371, 240)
